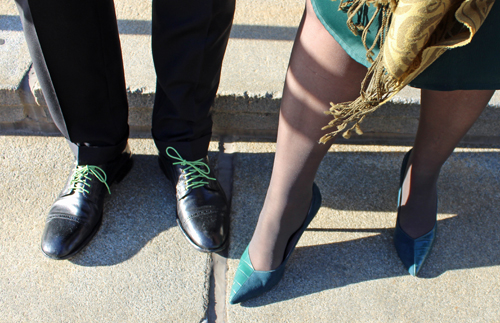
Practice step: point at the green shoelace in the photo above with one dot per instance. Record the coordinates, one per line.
(81, 175)
(195, 172)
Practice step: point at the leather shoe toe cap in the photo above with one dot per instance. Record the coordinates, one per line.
(206, 232)
(62, 238)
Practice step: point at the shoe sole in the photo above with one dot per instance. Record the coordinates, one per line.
(117, 179)
(197, 247)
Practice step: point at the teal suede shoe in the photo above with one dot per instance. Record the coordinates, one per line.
(248, 282)
(412, 252)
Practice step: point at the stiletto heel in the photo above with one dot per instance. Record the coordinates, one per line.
(248, 282)
(412, 252)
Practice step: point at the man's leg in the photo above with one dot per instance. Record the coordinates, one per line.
(76, 54)
(189, 41)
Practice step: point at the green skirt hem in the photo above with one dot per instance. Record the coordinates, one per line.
(475, 66)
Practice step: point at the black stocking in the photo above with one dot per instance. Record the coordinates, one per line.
(319, 72)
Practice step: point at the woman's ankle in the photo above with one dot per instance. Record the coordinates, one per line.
(273, 231)
(418, 215)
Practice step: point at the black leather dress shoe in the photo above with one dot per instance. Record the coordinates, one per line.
(202, 210)
(76, 215)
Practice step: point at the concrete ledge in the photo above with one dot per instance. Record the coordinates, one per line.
(251, 83)
(251, 117)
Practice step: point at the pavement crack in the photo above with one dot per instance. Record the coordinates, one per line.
(216, 310)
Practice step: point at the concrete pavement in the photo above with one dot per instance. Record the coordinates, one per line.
(139, 268)
(346, 268)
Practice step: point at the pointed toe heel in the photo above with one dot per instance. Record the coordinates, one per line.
(248, 282)
(413, 252)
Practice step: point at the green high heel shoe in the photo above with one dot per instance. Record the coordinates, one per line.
(412, 252)
(248, 282)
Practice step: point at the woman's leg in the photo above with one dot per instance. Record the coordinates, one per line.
(320, 71)
(445, 117)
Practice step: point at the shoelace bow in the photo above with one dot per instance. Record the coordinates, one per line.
(81, 174)
(197, 177)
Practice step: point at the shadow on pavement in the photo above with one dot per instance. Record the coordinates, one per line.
(340, 264)
(140, 208)
(468, 238)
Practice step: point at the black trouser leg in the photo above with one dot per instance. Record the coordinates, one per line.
(189, 41)
(76, 53)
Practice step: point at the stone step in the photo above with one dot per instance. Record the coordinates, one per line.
(251, 84)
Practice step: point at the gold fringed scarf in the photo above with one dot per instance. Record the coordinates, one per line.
(418, 33)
